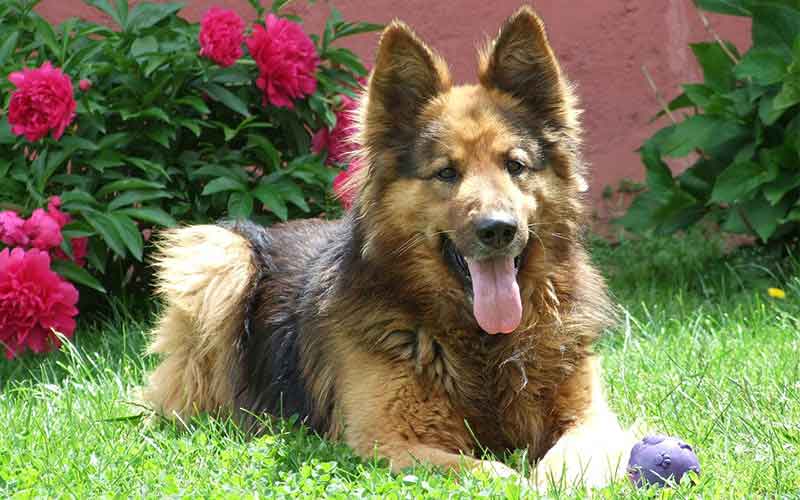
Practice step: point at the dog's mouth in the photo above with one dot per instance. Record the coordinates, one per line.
(491, 282)
(458, 264)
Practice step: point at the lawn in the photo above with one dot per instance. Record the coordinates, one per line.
(701, 351)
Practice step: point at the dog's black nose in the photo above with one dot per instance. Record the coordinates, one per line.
(497, 231)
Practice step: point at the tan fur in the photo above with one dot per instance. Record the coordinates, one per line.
(203, 274)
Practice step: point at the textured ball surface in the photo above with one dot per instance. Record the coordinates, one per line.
(656, 459)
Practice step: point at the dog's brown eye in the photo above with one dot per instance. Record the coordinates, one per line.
(448, 174)
(514, 167)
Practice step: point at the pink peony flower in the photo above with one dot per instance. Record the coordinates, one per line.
(42, 103)
(80, 248)
(84, 85)
(43, 230)
(221, 36)
(286, 59)
(343, 187)
(12, 232)
(33, 299)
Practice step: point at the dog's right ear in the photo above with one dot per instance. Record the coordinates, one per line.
(407, 75)
(521, 62)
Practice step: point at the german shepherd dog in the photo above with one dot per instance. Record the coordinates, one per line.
(453, 308)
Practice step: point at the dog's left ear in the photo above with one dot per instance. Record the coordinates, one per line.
(407, 75)
(520, 62)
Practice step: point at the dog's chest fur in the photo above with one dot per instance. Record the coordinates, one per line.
(494, 381)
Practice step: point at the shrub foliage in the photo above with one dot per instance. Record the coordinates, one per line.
(162, 135)
(742, 133)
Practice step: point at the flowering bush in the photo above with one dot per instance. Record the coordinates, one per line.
(112, 132)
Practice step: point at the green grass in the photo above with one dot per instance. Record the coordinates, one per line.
(701, 352)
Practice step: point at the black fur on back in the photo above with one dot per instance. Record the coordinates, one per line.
(280, 314)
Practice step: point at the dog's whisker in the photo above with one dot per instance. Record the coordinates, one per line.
(412, 242)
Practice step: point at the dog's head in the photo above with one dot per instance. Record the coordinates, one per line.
(471, 177)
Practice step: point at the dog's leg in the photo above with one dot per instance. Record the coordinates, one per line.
(594, 451)
(385, 412)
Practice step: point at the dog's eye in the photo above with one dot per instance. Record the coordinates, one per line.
(448, 174)
(515, 167)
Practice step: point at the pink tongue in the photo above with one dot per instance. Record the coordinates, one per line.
(497, 305)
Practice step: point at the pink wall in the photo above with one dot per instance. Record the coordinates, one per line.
(602, 45)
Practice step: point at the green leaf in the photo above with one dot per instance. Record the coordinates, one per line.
(137, 196)
(267, 152)
(156, 113)
(236, 173)
(54, 160)
(764, 217)
(150, 214)
(198, 104)
(792, 133)
(731, 7)
(227, 98)
(221, 184)
(143, 46)
(236, 75)
(106, 229)
(775, 27)
(346, 58)
(163, 135)
(639, 216)
(8, 47)
(793, 216)
(292, 193)
(277, 5)
(697, 132)
(114, 141)
(45, 32)
(767, 112)
(128, 184)
(145, 15)
(788, 96)
(105, 6)
(763, 65)
(716, 65)
(256, 4)
(75, 142)
(659, 176)
(6, 136)
(192, 125)
(272, 199)
(83, 55)
(350, 29)
(129, 232)
(147, 166)
(698, 94)
(740, 179)
(76, 196)
(240, 205)
(122, 11)
(76, 274)
(784, 183)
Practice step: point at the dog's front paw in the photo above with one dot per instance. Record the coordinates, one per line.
(576, 462)
(502, 471)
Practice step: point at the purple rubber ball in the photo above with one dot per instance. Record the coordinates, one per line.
(657, 459)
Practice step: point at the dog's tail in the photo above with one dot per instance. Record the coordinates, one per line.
(204, 275)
